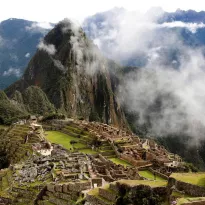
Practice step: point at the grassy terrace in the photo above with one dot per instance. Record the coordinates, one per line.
(2, 126)
(144, 182)
(192, 178)
(63, 139)
(88, 151)
(149, 175)
(120, 161)
(190, 200)
(180, 195)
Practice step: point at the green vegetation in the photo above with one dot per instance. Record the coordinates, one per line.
(63, 139)
(9, 111)
(189, 200)
(120, 161)
(180, 195)
(190, 167)
(36, 101)
(3, 95)
(149, 175)
(94, 191)
(139, 194)
(52, 116)
(144, 182)
(3, 126)
(192, 178)
(88, 151)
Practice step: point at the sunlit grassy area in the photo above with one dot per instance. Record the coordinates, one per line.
(144, 182)
(3, 126)
(189, 200)
(149, 175)
(180, 195)
(120, 161)
(94, 191)
(192, 178)
(88, 151)
(63, 139)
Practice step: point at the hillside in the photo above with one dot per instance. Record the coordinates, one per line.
(10, 110)
(79, 162)
(74, 75)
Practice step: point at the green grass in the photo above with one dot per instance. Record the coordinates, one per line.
(192, 178)
(63, 139)
(5, 183)
(120, 161)
(94, 191)
(189, 200)
(180, 195)
(144, 182)
(149, 175)
(3, 126)
(88, 151)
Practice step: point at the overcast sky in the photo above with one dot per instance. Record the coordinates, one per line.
(56, 10)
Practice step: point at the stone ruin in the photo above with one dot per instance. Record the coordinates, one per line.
(53, 174)
(127, 146)
(109, 171)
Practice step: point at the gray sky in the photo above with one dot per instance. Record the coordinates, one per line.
(54, 11)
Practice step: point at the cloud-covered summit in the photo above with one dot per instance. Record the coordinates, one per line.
(167, 90)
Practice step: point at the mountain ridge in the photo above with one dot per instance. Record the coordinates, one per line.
(75, 77)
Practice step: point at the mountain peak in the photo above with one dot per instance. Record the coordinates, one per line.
(73, 73)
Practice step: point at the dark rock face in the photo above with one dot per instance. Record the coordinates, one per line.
(69, 68)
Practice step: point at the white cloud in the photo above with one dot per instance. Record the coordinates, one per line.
(59, 65)
(193, 27)
(171, 79)
(49, 48)
(42, 27)
(12, 71)
(83, 49)
(124, 35)
(80, 9)
(27, 55)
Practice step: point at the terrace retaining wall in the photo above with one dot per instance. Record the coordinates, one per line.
(158, 173)
(190, 189)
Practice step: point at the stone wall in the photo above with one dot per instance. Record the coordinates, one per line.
(5, 201)
(94, 200)
(111, 196)
(190, 189)
(63, 194)
(134, 162)
(97, 181)
(158, 173)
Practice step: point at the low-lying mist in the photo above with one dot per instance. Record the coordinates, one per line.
(168, 90)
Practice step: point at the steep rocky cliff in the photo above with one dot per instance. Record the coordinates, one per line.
(69, 68)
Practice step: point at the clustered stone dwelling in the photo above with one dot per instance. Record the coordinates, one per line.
(139, 152)
(45, 174)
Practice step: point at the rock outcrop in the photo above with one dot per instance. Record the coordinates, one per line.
(69, 68)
